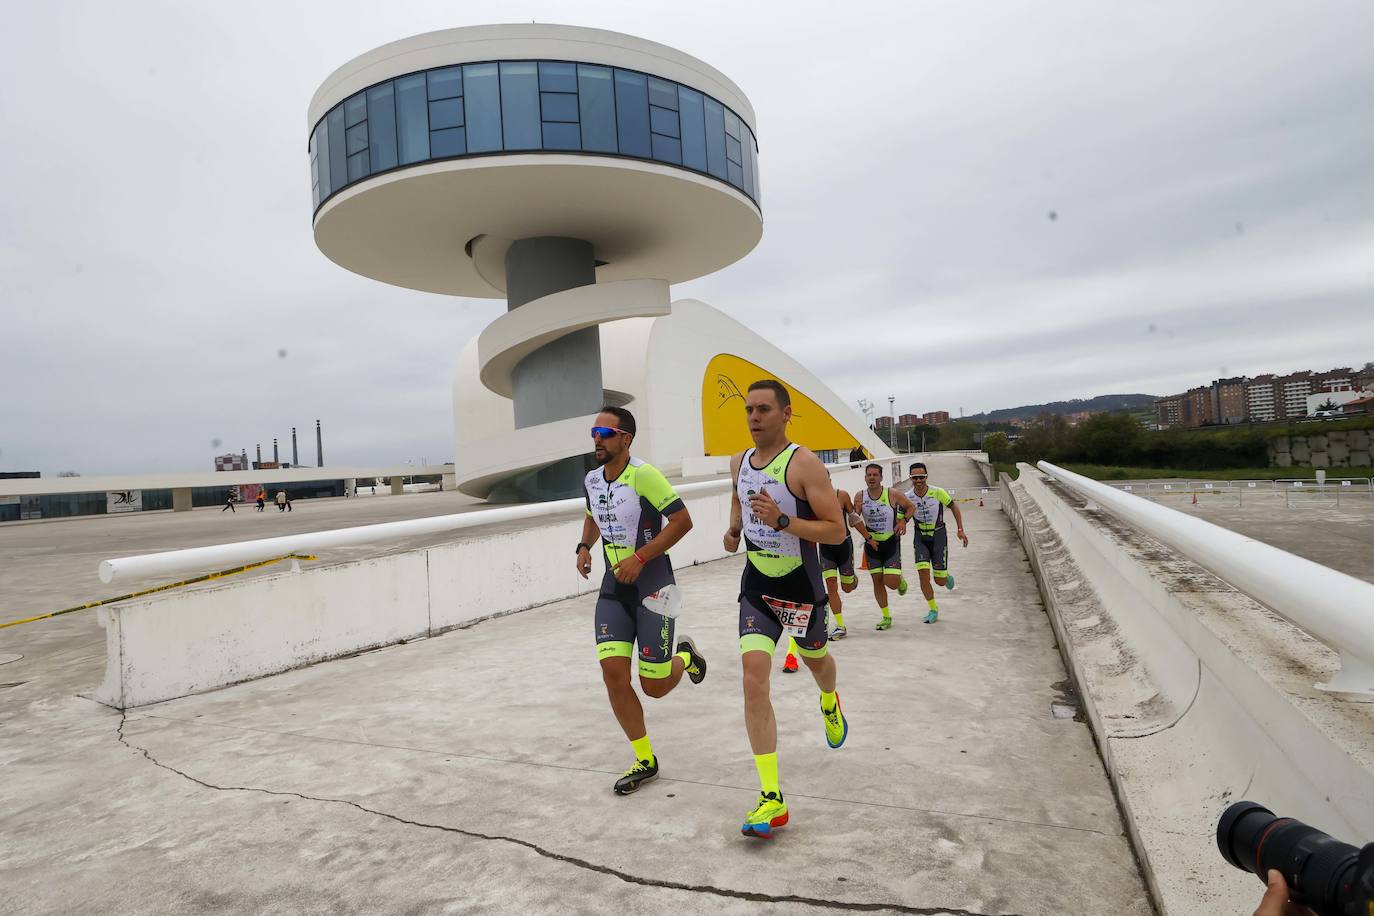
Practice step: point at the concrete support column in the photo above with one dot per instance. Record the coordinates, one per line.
(181, 499)
(350, 484)
(398, 486)
(563, 378)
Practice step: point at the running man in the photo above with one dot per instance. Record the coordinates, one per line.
(627, 501)
(882, 522)
(932, 540)
(782, 506)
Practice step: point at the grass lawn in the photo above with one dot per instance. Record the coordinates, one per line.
(1101, 472)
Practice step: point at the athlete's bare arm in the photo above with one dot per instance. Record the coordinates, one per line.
(806, 476)
(906, 505)
(859, 525)
(590, 535)
(732, 534)
(958, 520)
(679, 523)
(847, 507)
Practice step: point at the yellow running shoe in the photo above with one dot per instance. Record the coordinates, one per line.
(771, 812)
(836, 725)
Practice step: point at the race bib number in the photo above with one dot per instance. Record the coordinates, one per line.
(794, 617)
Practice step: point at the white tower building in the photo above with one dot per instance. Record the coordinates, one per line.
(577, 173)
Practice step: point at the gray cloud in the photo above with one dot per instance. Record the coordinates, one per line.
(1208, 165)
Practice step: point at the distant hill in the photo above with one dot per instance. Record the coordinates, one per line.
(1131, 402)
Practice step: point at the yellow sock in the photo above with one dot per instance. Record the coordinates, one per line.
(791, 646)
(643, 749)
(933, 605)
(686, 659)
(768, 773)
(828, 700)
(839, 619)
(886, 613)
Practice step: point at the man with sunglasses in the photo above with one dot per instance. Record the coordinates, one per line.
(782, 506)
(932, 540)
(627, 503)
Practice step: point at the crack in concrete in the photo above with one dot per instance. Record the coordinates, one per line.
(583, 864)
(204, 723)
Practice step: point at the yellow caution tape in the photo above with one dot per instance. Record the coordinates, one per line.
(162, 588)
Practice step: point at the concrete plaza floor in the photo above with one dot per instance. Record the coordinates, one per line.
(471, 772)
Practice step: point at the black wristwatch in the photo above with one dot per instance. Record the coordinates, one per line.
(582, 547)
(783, 522)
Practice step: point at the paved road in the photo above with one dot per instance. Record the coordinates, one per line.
(471, 773)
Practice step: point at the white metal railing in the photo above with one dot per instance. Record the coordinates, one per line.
(1332, 607)
(174, 562)
(221, 556)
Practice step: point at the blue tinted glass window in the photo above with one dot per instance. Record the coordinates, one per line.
(561, 136)
(736, 175)
(355, 110)
(663, 121)
(558, 77)
(753, 153)
(715, 137)
(520, 105)
(748, 164)
(357, 166)
(482, 95)
(596, 99)
(412, 119)
(559, 106)
(446, 83)
(667, 149)
(731, 124)
(693, 128)
(733, 150)
(338, 159)
(445, 113)
(355, 138)
(451, 142)
(381, 126)
(662, 93)
(632, 113)
(322, 157)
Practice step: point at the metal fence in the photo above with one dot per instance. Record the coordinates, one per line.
(1293, 491)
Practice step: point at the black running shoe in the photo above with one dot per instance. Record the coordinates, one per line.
(697, 669)
(643, 771)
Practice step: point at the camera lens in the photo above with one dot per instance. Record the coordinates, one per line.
(1320, 870)
(1238, 834)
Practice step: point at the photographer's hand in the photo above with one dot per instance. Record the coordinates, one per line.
(1275, 901)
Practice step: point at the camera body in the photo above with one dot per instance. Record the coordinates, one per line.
(1330, 877)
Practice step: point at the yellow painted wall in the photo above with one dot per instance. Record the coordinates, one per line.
(723, 425)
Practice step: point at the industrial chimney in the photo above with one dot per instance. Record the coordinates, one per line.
(295, 461)
(319, 446)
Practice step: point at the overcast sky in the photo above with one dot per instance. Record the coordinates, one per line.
(966, 205)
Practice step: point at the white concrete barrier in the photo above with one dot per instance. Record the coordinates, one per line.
(178, 643)
(1198, 696)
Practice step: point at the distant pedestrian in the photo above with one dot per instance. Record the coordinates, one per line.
(229, 504)
(288, 502)
(281, 500)
(374, 491)
(262, 500)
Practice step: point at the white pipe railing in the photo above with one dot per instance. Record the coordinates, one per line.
(221, 556)
(1332, 607)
